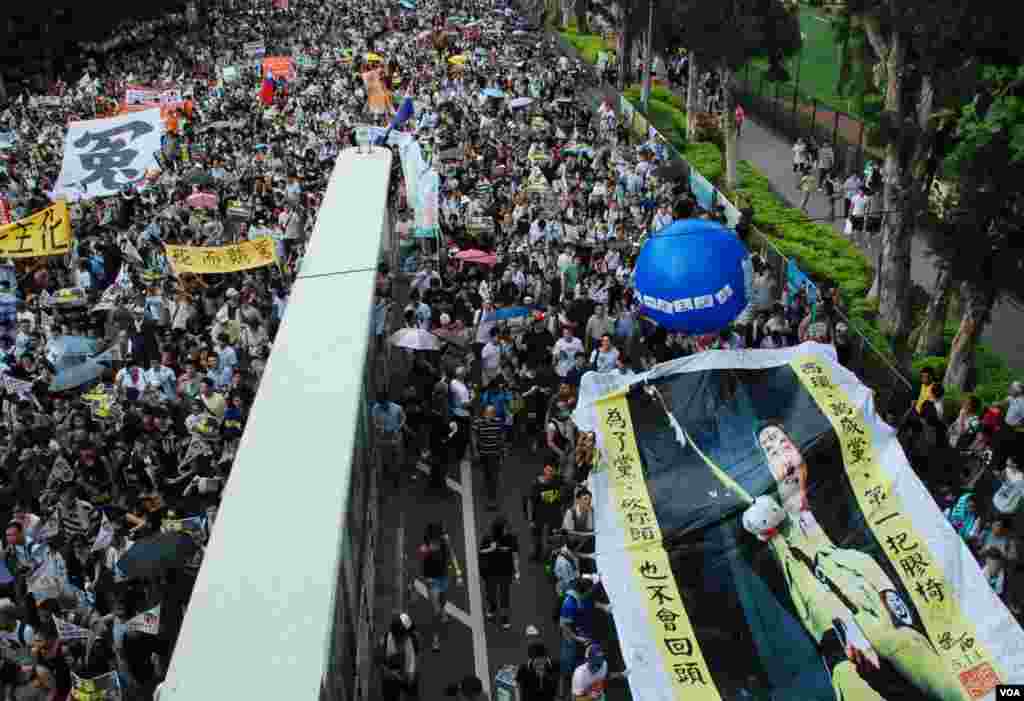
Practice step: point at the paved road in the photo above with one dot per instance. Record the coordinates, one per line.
(773, 156)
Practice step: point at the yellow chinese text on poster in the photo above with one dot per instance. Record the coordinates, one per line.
(45, 233)
(204, 260)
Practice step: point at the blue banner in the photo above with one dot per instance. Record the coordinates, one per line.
(797, 280)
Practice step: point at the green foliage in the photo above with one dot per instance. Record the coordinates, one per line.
(589, 45)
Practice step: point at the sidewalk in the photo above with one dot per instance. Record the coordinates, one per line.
(773, 156)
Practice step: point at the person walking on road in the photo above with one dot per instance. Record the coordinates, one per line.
(544, 508)
(537, 679)
(490, 448)
(397, 656)
(740, 116)
(436, 555)
(389, 422)
(499, 566)
(808, 185)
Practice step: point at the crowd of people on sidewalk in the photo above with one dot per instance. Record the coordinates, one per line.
(971, 458)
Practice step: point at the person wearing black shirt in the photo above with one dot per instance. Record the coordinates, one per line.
(544, 509)
(537, 344)
(499, 564)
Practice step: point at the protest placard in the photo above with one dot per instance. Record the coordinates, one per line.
(45, 233)
(101, 156)
(204, 260)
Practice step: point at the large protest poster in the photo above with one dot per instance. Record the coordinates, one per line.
(101, 156)
(759, 526)
(45, 233)
(205, 260)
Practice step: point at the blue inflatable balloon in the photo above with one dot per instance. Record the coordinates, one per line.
(692, 276)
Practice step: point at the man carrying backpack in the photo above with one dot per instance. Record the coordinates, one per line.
(537, 679)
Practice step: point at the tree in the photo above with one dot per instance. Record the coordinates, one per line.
(726, 35)
(923, 47)
(978, 239)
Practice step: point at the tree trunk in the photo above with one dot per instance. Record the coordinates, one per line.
(977, 304)
(729, 128)
(626, 57)
(580, 7)
(930, 340)
(691, 98)
(897, 232)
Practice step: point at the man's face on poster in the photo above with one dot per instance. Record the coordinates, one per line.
(784, 460)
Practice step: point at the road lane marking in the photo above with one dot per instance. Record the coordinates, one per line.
(453, 610)
(476, 599)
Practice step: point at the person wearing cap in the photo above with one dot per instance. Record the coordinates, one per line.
(590, 679)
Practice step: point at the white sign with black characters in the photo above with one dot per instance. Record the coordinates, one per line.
(102, 156)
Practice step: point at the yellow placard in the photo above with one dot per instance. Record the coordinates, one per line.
(670, 625)
(45, 233)
(206, 260)
(952, 635)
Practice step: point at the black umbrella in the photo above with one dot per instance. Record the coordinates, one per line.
(673, 170)
(152, 556)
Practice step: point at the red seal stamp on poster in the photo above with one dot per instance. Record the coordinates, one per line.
(979, 680)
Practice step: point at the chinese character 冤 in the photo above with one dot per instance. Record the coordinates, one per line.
(110, 157)
(898, 543)
(614, 419)
(914, 565)
(930, 590)
(667, 619)
(876, 495)
(649, 570)
(689, 673)
(679, 646)
(658, 595)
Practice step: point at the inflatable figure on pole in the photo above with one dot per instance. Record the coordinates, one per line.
(692, 277)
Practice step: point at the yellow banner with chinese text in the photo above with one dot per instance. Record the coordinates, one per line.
(206, 260)
(45, 233)
(953, 636)
(685, 666)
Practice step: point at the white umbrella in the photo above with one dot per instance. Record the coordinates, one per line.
(415, 339)
(518, 102)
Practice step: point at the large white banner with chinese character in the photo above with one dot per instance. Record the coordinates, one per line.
(101, 156)
(759, 527)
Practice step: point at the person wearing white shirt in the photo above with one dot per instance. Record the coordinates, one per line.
(565, 351)
(163, 380)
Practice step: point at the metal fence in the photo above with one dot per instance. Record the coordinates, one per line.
(782, 107)
(893, 391)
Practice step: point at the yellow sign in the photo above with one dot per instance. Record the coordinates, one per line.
(687, 670)
(952, 635)
(45, 233)
(204, 260)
